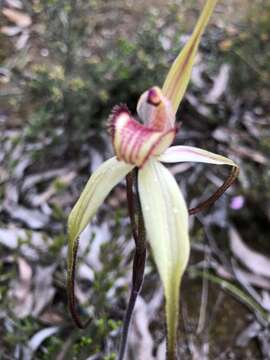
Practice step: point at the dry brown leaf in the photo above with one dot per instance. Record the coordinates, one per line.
(249, 153)
(34, 219)
(51, 317)
(220, 84)
(19, 18)
(255, 262)
(141, 342)
(44, 290)
(22, 40)
(33, 180)
(10, 30)
(36, 340)
(15, 4)
(42, 198)
(20, 292)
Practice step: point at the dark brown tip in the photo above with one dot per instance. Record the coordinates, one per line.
(153, 97)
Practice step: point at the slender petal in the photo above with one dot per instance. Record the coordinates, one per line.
(180, 153)
(97, 188)
(179, 75)
(166, 222)
(193, 154)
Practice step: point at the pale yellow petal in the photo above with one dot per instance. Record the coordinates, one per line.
(179, 75)
(192, 154)
(166, 222)
(180, 153)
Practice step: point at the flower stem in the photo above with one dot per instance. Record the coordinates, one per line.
(138, 232)
(172, 314)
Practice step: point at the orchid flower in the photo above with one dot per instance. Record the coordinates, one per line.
(145, 146)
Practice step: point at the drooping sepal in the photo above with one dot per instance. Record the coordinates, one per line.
(166, 222)
(133, 142)
(97, 188)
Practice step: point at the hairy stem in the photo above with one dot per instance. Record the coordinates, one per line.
(138, 231)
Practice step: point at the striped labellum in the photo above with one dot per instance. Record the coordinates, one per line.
(135, 142)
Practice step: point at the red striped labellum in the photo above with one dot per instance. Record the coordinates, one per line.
(134, 142)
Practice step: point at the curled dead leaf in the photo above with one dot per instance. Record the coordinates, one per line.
(19, 18)
(255, 262)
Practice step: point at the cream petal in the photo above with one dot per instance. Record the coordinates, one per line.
(180, 153)
(193, 154)
(166, 222)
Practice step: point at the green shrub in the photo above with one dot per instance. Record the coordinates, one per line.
(76, 92)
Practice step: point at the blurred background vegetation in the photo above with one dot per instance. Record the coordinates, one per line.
(63, 65)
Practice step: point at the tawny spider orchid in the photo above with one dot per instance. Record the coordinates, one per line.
(144, 146)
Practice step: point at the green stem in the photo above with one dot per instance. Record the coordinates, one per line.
(172, 302)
